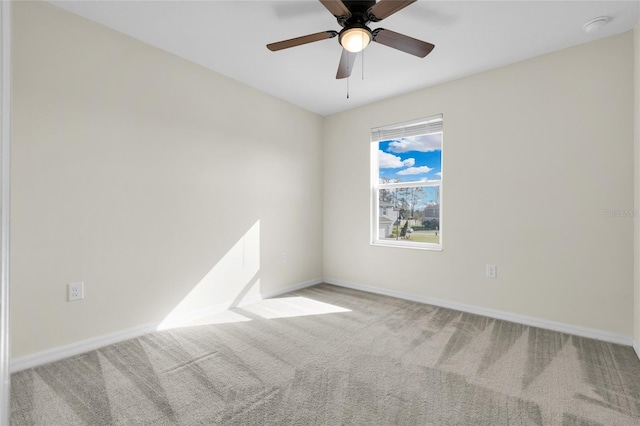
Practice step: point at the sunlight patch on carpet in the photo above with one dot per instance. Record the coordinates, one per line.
(288, 307)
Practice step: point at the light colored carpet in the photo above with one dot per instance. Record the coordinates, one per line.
(332, 356)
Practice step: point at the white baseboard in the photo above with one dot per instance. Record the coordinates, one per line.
(58, 353)
(55, 354)
(299, 286)
(507, 316)
(636, 347)
(175, 321)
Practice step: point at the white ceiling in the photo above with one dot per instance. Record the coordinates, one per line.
(229, 37)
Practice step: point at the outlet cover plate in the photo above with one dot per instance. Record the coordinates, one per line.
(75, 291)
(491, 271)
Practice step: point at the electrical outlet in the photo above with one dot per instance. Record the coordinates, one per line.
(491, 271)
(284, 257)
(75, 291)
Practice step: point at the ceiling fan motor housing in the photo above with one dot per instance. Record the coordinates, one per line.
(359, 13)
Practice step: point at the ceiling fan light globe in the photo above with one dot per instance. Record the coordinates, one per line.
(355, 39)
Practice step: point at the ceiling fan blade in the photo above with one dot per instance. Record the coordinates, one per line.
(402, 42)
(386, 8)
(346, 64)
(285, 44)
(336, 7)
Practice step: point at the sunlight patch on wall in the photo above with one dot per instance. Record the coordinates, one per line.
(288, 307)
(234, 280)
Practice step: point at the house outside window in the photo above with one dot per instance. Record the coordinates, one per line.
(406, 184)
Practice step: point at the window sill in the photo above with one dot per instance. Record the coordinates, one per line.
(407, 245)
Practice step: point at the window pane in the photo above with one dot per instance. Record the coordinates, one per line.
(411, 159)
(410, 214)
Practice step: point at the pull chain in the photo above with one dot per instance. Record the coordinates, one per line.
(348, 87)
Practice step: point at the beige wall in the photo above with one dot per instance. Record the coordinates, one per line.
(149, 178)
(636, 74)
(534, 153)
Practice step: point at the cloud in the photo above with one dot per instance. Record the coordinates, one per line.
(423, 143)
(390, 161)
(439, 174)
(415, 170)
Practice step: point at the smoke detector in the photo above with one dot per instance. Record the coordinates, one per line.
(596, 23)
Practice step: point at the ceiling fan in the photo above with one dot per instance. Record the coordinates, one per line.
(353, 16)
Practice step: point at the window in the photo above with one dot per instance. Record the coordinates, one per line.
(406, 181)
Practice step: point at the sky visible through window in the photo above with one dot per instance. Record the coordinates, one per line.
(412, 159)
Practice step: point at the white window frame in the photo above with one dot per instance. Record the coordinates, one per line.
(378, 135)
